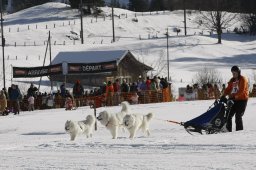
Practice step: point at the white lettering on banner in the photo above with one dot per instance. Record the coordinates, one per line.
(38, 72)
(91, 68)
(235, 87)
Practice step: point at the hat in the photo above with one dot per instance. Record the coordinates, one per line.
(236, 69)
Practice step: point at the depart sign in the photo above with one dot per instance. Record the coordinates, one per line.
(92, 67)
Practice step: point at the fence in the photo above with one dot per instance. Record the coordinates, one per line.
(111, 99)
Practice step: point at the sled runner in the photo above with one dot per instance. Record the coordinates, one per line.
(213, 120)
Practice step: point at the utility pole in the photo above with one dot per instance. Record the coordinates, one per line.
(167, 37)
(3, 41)
(50, 51)
(113, 22)
(185, 17)
(81, 18)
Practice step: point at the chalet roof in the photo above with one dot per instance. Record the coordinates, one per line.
(95, 57)
(89, 56)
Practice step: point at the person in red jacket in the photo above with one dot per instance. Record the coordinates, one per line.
(109, 93)
(237, 91)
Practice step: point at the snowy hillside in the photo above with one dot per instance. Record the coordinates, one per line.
(26, 32)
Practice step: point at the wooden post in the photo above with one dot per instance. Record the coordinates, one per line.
(95, 116)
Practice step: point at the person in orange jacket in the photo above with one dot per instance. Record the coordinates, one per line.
(237, 91)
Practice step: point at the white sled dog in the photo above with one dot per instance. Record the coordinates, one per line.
(75, 128)
(134, 122)
(114, 121)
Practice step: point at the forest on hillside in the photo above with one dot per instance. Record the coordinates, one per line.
(239, 6)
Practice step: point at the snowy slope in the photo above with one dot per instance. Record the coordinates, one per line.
(37, 140)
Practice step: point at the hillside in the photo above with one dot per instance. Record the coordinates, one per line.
(28, 29)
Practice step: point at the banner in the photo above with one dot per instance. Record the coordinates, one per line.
(19, 72)
(92, 67)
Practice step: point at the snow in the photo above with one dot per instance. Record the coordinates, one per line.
(89, 56)
(37, 140)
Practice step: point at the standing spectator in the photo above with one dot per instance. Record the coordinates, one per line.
(253, 93)
(50, 101)
(223, 89)
(153, 90)
(5, 93)
(117, 90)
(32, 90)
(3, 102)
(44, 100)
(103, 88)
(142, 87)
(58, 100)
(63, 90)
(31, 102)
(78, 91)
(125, 89)
(134, 87)
(125, 86)
(165, 90)
(237, 91)
(210, 91)
(148, 82)
(14, 99)
(189, 93)
(195, 90)
(109, 94)
(205, 91)
(157, 81)
(216, 90)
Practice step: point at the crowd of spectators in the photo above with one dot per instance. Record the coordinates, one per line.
(108, 94)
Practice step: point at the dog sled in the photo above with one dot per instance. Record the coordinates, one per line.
(212, 121)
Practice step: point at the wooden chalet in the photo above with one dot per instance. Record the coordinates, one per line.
(127, 67)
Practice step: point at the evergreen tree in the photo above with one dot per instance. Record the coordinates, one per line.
(138, 5)
(157, 5)
(76, 3)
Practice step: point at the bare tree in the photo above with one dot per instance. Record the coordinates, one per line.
(216, 20)
(160, 64)
(208, 75)
(249, 21)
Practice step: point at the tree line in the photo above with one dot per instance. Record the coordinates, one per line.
(239, 6)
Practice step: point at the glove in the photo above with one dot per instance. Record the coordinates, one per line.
(223, 99)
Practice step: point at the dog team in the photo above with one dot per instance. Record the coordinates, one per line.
(112, 122)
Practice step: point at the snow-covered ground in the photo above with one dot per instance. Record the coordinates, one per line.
(37, 140)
